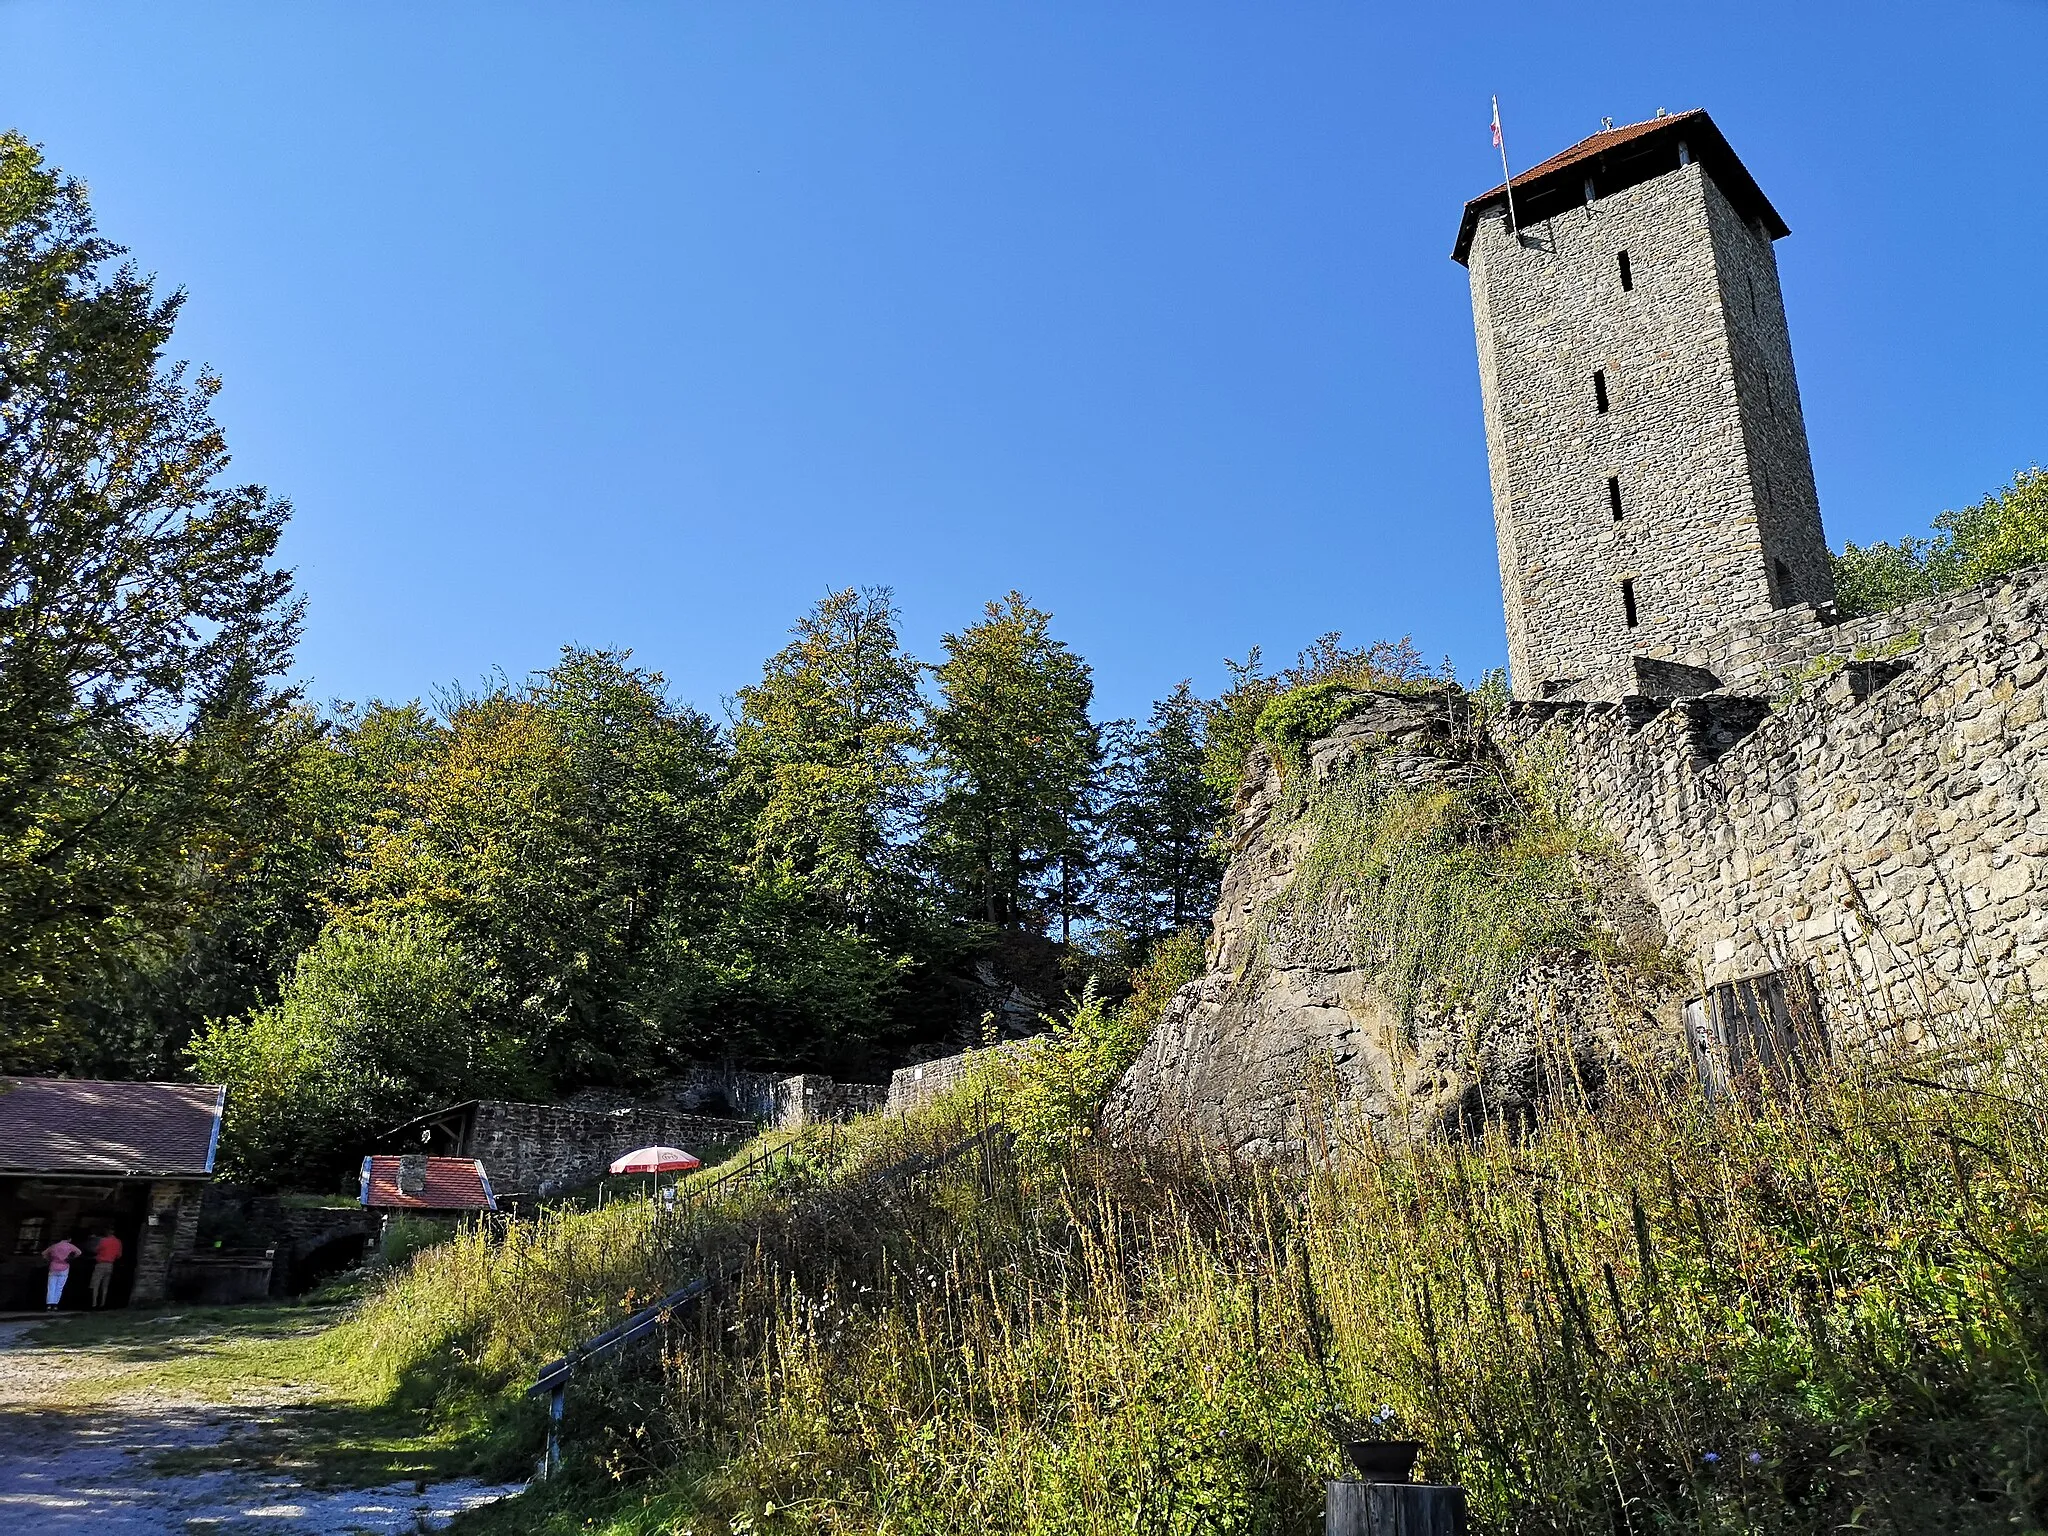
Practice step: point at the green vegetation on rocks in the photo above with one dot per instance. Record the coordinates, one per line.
(1444, 896)
(2008, 529)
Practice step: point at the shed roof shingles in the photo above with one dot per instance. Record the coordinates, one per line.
(452, 1184)
(61, 1125)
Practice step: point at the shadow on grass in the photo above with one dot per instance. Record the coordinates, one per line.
(146, 1336)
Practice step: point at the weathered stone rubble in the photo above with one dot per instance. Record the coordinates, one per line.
(1284, 1045)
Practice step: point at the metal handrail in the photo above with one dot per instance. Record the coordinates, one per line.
(553, 1378)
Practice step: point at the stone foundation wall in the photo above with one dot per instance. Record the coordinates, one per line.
(1886, 823)
(170, 1228)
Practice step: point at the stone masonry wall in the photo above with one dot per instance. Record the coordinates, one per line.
(913, 1086)
(723, 1092)
(546, 1148)
(169, 1231)
(811, 1099)
(1703, 433)
(1885, 824)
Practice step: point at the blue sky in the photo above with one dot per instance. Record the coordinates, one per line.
(645, 324)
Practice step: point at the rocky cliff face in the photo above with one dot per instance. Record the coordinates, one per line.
(1286, 1044)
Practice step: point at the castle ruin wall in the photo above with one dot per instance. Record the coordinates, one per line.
(1885, 824)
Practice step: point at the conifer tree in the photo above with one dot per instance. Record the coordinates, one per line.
(1159, 822)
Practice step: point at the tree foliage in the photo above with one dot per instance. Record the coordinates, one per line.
(825, 758)
(1159, 822)
(140, 619)
(568, 833)
(1993, 537)
(380, 1020)
(1014, 753)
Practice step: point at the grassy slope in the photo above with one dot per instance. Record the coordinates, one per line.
(1826, 1316)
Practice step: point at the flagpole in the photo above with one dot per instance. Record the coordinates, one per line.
(1501, 143)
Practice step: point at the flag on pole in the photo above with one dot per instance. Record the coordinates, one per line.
(1501, 144)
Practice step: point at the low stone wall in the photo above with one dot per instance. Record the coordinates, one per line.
(915, 1085)
(814, 1100)
(1885, 824)
(310, 1241)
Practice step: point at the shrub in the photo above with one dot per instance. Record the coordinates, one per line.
(2004, 532)
(1231, 721)
(376, 1022)
(1176, 960)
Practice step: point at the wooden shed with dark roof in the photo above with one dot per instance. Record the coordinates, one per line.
(80, 1157)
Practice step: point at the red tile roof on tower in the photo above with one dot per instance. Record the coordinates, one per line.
(1607, 138)
(446, 1184)
(1624, 156)
(78, 1125)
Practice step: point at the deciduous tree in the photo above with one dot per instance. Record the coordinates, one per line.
(1014, 752)
(141, 620)
(826, 767)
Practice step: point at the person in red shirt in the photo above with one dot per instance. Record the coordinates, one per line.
(59, 1254)
(106, 1252)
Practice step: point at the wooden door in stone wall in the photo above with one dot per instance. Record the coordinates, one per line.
(1762, 1034)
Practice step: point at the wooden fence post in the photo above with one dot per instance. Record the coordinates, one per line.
(1393, 1509)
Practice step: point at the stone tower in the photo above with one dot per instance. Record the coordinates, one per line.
(1653, 493)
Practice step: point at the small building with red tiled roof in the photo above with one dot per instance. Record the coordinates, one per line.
(411, 1181)
(81, 1158)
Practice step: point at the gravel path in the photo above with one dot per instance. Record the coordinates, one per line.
(79, 1470)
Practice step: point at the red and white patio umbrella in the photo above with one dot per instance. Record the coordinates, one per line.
(656, 1160)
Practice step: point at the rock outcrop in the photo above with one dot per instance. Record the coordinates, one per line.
(1286, 1044)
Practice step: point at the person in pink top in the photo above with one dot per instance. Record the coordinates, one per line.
(106, 1253)
(60, 1254)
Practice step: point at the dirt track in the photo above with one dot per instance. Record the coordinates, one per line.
(65, 1469)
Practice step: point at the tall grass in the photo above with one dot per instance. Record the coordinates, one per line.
(1823, 1314)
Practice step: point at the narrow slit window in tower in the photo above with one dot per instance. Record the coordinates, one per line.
(1628, 278)
(1784, 576)
(1600, 390)
(1614, 496)
(1628, 602)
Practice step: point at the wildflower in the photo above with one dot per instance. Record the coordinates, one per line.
(1756, 1458)
(1710, 1458)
